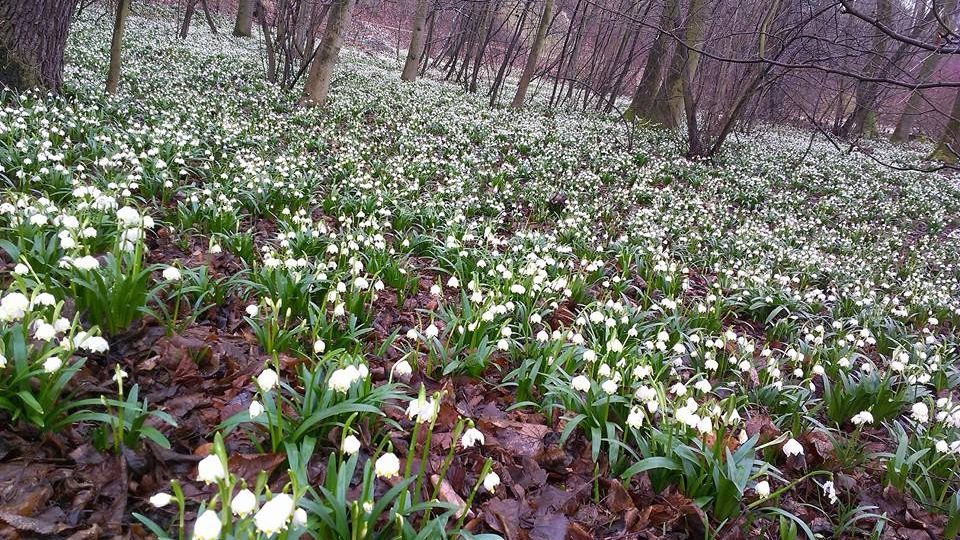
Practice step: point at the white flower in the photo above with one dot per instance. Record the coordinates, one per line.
(210, 469)
(614, 345)
(275, 514)
(422, 409)
(161, 499)
(491, 481)
(703, 385)
(387, 465)
(920, 412)
(256, 409)
(13, 306)
(3, 361)
(95, 344)
(705, 425)
(763, 489)
(44, 331)
(207, 526)
(342, 379)
(52, 364)
(432, 331)
(471, 437)
(61, 325)
(862, 417)
(86, 263)
(20, 269)
(243, 503)
(300, 517)
(319, 346)
(267, 380)
(252, 310)
(171, 273)
(350, 445)
(830, 491)
(580, 383)
(128, 216)
(609, 386)
(793, 448)
(635, 418)
(402, 369)
(43, 299)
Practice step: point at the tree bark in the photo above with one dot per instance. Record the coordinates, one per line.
(187, 17)
(509, 54)
(33, 35)
(116, 46)
(244, 24)
(863, 118)
(949, 143)
(912, 109)
(268, 43)
(321, 69)
(652, 76)
(668, 109)
(534, 55)
(417, 41)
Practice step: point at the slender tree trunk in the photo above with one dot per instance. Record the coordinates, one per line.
(33, 34)
(949, 144)
(116, 45)
(508, 56)
(206, 15)
(244, 24)
(417, 41)
(487, 32)
(311, 44)
(653, 70)
(188, 12)
(321, 70)
(534, 55)
(425, 57)
(563, 54)
(573, 66)
(268, 42)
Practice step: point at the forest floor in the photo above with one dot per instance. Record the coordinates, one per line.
(761, 346)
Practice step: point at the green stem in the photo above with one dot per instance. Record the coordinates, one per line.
(487, 466)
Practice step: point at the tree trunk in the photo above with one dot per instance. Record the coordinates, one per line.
(912, 109)
(425, 57)
(244, 24)
(562, 60)
(187, 17)
(321, 69)
(652, 76)
(33, 34)
(206, 14)
(571, 74)
(668, 109)
(863, 118)
(949, 143)
(268, 43)
(508, 55)
(116, 46)
(534, 55)
(417, 40)
(487, 31)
